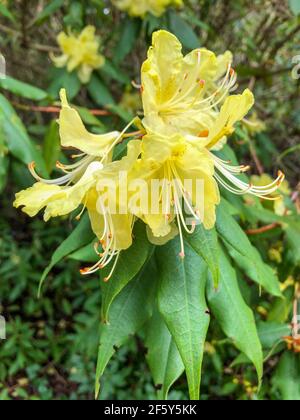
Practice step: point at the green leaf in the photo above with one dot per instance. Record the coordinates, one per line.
(23, 89)
(205, 243)
(183, 31)
(6, 13)
(295, 6)
(130, 263)
(244, 254)
(99, 92)
(113, 72)
(51, 8)
(51, 146)
(89, 118)
(234, 316)
(128, 313)
(128, 38)
(286, 377)
(163, 356)
(270, 333)
(68, 81)
(17, 140)
(85, 254)
(4, 161)
(181, 300)
(292, 231)
(80, 236)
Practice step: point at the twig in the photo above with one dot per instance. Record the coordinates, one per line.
(262, 229)
(55, 109)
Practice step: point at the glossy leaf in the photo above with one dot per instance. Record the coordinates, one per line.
(244, 254)
(128, 313)
(130, 263)
(128, 38)
(234, 316)
(18, 142)
(99, 92)
(183, 31)
(205, 243)
(23, 89)
(181, 300)
(51, 146)
(163, 356)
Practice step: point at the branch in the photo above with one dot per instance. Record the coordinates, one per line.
(263, 229)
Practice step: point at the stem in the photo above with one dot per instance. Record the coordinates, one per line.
(262, 229)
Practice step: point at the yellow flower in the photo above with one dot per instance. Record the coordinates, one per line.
(182, 94)
(141, 7)
(185, 176)
(79, 184)
(254, 125)
(80, 52)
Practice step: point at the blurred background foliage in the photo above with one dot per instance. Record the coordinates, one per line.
(51, 346)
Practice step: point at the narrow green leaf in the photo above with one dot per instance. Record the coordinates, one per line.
(68, 81)
(85, 254)
(163, 356)
(205, 243)
(51, 146)
(4, 161)
(17, 140)
(80, 236)
(234, 316)
(51, 8)
(128, 313)
(183, 31)
(23, 89)
(181, 300)
(244, 254)
(130, 263)
(128, 38)
(99, 92)
(6, 13)
(113, 72)
(286, 377)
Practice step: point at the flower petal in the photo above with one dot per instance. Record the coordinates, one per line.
(74, 134)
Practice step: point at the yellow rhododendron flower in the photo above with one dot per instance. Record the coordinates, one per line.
(173, 161)
(80, 52)
(78, 186)
(182, 94)
(141, 7)
(171, 174)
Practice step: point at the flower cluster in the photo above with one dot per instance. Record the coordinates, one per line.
(142, 7)
(79, 52)
(188, 114)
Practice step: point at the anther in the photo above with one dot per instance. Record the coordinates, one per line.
(204, 133)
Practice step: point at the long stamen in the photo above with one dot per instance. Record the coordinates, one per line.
(239, 187)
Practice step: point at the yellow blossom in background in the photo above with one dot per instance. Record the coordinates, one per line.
(80, 52)
(254, 125)
(131, 101)
(277, 205)
(139, 8)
